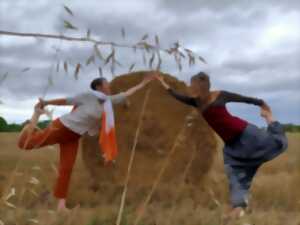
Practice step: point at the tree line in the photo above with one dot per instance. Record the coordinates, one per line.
(14, 127)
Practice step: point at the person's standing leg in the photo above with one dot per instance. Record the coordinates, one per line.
(68, 153)
(240, 179)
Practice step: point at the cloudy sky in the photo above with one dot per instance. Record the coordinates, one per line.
(251, 48)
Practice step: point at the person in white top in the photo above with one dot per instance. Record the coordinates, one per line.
(67, 130)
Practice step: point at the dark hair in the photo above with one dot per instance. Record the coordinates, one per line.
(96, 82)
(203, 78)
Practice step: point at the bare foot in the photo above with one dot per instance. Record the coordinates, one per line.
(237, 213)
(266, 113)
(234, 214)
(61, 206)
(31, 124)
(39, 110)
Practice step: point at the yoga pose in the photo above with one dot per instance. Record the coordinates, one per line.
(246, 146)
(66, 131)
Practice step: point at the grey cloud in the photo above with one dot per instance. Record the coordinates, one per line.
(288, 62)
(221, 31)
(192, 6)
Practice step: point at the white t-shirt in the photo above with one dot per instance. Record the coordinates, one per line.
(86, 118)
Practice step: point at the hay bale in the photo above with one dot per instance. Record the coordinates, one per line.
(162, 121)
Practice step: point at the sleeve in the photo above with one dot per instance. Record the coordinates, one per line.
(232, 97)
(76, 100)
(118, 98)
(182, 98)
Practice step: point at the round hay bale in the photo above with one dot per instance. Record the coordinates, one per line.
(163, 120)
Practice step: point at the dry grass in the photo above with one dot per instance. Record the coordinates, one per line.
(275, 201)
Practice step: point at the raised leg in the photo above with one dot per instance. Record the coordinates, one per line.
(275, 131)
(29, 129)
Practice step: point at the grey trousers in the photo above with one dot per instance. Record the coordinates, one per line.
(243, 157)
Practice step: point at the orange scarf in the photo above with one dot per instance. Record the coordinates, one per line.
(107, 137)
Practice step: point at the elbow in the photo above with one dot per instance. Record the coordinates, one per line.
(126, 94)
(262, 102)
(25, 142)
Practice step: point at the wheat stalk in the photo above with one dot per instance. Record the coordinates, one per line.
(179, 190)
(142, 210)
(133, 150)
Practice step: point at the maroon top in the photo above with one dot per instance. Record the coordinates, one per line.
(227, 126)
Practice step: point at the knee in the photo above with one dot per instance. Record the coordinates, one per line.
(284, 143)
(24, 145)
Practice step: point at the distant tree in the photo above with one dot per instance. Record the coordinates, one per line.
(3, 124)
(13, 127)
(43, 124)
(292, 128)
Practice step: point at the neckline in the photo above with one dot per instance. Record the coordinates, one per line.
(211, 103)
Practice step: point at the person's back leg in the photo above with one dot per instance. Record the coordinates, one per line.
(29, 130)
(32, 138)
(275, 129)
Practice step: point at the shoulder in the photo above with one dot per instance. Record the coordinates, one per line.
(218, 97)
(223, 93)
(216, 94)
(87, 95)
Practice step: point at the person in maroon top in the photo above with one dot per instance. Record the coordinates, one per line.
(246, 146)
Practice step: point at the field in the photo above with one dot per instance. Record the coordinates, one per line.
(275, 199)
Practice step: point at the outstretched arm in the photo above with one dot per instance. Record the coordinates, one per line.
(121, 97)
(141, 85)
(74, 100)
(266, 111)
(182, 98)
(59, 101)
(233, 97)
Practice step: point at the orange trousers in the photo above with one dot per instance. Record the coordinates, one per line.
(55, 133)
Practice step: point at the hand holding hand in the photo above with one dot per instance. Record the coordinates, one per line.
(162, 81)
(149, 77)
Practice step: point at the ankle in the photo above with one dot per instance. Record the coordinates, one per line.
(61, 205)
(269, 119)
